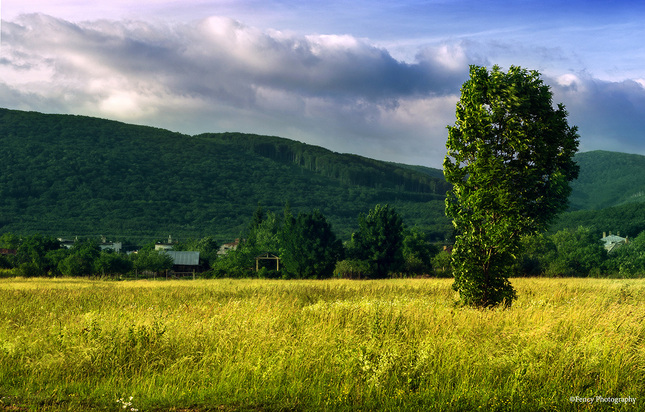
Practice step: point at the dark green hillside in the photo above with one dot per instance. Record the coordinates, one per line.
(73, 175)
(608, 179)
(608, 195)
(345, 168)
(627, 220)
(430, 171)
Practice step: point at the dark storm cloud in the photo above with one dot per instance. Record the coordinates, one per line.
(610, 115)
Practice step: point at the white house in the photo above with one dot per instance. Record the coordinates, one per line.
(612, 242)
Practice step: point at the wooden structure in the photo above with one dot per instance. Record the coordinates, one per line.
(184, 261)
(267, 256)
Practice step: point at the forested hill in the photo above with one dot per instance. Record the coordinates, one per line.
(70, 175)
(608, 179)
(608, 195)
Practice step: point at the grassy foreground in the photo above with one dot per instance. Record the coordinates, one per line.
(261, 345)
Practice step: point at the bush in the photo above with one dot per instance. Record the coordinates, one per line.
(352, 269)
(30, 270)
(266, 273)
(8, 273)
(441, 264)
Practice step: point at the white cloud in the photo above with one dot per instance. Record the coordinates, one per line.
(338, 91)
(568, 80)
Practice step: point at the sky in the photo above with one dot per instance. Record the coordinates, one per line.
(375, 78)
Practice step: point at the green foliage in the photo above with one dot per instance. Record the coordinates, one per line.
(628, 219)
(265, 234)
(110, 263)
(31, 256)
(417, 252)
(379, 240)
(353, 269)
(74, 175)
(237, 263)
(442, 264)
(79, 261)
(258, 217)
(9, 241)
(206, 246)
(30, 270)
(538, 252)
(310, 248)
(628, 260)
(607, 195)
(579, 253)
(608, 179)
(151, 260)
(510, 162)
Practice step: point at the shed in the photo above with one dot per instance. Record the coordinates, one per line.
(183, 261)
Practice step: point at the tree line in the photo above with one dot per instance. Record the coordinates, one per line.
(39, 255)
(308, 248)
(306, 245)
(580, 253)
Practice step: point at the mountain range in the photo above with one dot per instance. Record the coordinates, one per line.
(67, 176)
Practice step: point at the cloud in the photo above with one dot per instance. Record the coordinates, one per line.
(337, 91)
(217, 70)
(609, 114)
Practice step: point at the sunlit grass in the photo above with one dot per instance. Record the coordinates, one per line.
(69, 344)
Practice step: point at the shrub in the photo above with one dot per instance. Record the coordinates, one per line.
(352, 269)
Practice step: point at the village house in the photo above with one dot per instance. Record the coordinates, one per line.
(164, 246)
(104, 245)
(227, 247)
(612, 242)
(114, 246)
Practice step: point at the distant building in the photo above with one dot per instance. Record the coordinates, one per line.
(184, 261)
(164, 246)
(227, 247)
(66, 243)
(114, 246)
(104, 245)
(612, 242)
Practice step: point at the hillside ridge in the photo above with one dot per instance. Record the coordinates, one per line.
(608, 179)
(69, 175)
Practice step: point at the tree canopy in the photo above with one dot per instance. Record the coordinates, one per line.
(510, 161)
(379, 240)
(310, 247)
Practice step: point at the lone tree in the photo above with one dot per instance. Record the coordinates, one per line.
(510, 161)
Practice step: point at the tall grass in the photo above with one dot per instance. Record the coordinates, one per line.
(269, 345)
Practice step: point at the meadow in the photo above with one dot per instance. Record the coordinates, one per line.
(273, 345)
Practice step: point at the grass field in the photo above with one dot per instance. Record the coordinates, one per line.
(261, 345)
